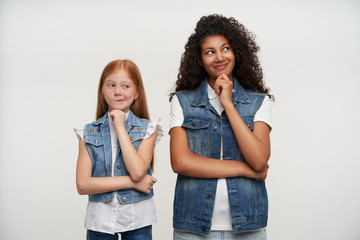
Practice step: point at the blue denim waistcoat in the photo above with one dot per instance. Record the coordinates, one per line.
(98, 142)
(194, 197)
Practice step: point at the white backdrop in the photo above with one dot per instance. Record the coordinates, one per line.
(51, 57)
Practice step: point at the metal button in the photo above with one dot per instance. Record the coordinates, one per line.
(215, 128)
(203, 228)
(209, 194)
(132, 138)
(193, 124)
(124, 199)
(118, 166)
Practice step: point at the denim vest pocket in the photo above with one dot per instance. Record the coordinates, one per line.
(197, 129)
(96, 141)
(95, 147)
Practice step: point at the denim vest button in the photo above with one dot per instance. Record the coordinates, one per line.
(215, 128)
(124, 199)
(209, 194)
(118, 166)
(203, 228)
(193, 124)
(132, 138)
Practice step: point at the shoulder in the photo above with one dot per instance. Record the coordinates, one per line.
(184, 93)
(255, 97)
(86, 130)
(96, 124)
(93, 129)
(242, 94)
(136, 126)
(143, 121)
(255, 94)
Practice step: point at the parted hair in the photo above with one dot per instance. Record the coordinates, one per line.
(139, 106)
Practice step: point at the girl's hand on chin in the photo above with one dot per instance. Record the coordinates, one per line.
(223, 88)
(118, 117)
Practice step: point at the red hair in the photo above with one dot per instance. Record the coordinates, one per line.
(139, 107)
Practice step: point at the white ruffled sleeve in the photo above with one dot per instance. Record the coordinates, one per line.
(153, 124)
(79, 132)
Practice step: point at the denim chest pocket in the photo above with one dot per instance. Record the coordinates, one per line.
(198, 134)
(95, 147)
(95, 141)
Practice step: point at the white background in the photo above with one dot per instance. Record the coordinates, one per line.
(51, 57)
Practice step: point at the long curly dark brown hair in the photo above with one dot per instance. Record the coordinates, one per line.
(247, 69)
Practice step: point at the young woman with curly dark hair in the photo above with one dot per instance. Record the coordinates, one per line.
(220, 135)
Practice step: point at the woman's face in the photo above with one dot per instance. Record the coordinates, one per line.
(217, 57)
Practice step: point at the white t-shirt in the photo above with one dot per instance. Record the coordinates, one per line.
(221, 218)
(113, 217)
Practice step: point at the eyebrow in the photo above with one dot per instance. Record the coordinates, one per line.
(108, 80)
(220, 46)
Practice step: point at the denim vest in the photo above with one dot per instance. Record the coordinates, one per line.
(98, 142)
(194, 197)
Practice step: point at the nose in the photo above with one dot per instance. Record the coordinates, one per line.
(118, 91)
(219, 57)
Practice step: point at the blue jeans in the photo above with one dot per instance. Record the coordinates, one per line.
(220, 235)
(137, 234)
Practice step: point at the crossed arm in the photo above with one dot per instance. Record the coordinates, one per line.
(254, 145)
(137, 163)
(185, 162)
(86, 184)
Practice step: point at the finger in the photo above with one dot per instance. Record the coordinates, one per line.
(111, 115)
(217, 87)
(222, 76)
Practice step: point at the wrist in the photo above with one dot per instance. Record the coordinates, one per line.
(120, 128)
(246, 171)
(227, 105)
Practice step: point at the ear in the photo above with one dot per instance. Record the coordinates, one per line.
(137, 94)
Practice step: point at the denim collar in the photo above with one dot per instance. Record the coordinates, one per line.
(201, 96)
(131, 121)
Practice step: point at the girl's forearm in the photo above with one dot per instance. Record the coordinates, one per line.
(96, 185)
(255, 146)
(137, 163)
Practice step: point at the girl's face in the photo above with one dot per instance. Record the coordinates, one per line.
(217, 57)
(119, 91)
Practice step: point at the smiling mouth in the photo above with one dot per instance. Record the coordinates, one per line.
(221, 67)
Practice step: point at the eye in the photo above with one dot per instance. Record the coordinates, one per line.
(111, 85)
(226, 49)
(125, 86)
(209, 52)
